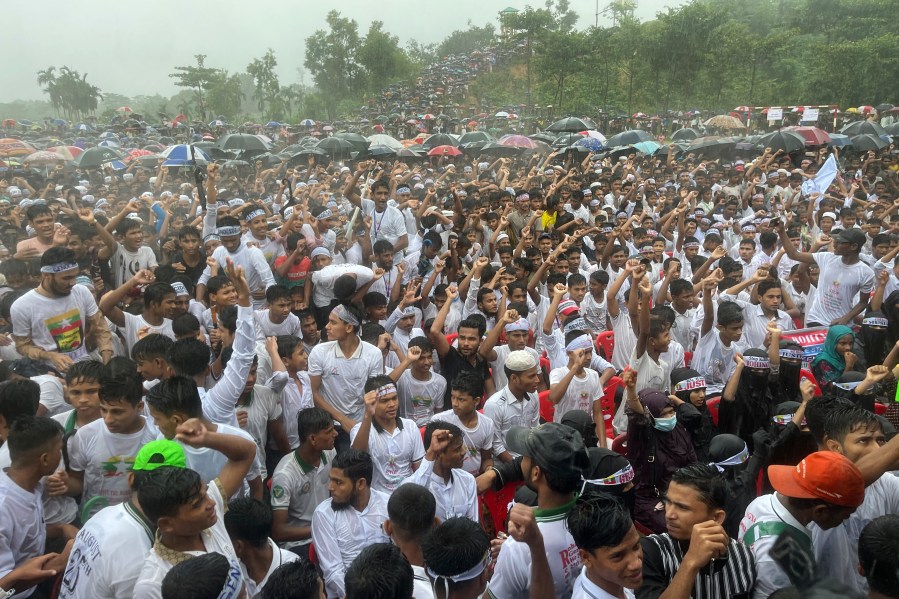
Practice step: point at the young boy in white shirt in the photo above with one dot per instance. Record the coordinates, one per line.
(714, 355)
(419, 389)
(395, 444)
(477, 430)
(576, 386)
(277, 319)
(101, 453)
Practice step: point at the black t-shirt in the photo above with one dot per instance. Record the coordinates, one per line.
(454, 363)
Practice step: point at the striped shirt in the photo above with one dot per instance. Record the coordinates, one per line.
(732, 577)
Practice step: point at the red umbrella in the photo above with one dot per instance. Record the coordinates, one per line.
(124, 109)
(9, 122)
(813, 135)
(379, 128)
(444, 151)
(472, 123)
(517, 141)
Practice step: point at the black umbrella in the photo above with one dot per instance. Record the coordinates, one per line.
(475, 136)
(335, 146)
(628, 138)
(95, 157)
(788, 141)
(565, 140)
(380, 150)
(359, 143)
(235, 164)
(892, 130)
(440, 139)
(242, 141)
(868, 141)
(862, 128)
(577, 150)
(686, 134)
(545, 137)
(711, 144)
(497, 149)
(883, 107)
(666, 149)
(569, 124)
(474, 147)
(268, 159)
(407, 154)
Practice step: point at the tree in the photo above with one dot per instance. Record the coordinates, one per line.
(47, 79)
(198, 78)
(382, 58)
(268, 89)
(70, 92)
(467, 41)
(331, 59)
(225, 95)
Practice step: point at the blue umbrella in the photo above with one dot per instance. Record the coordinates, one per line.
(217, 124)
(117, 165)
(307, 123)
(647, 147)
(838, 140)
(273, 124)
(591, 143)
(180, 155)
(83, 127)
(59, 122)
(108, 143)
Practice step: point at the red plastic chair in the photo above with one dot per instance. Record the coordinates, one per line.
(313, 557)
(497, 504)
(545, 365)
(688, 357)
(619, 444)
(607, 404)
(547, 408)
(712, 404)
(811, 377)
(451, 337)
(879, 408)
(605, 344)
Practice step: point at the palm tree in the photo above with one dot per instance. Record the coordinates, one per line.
(47, 78)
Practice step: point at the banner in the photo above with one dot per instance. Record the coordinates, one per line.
(811, 340)
(810, 114)
(775, 114)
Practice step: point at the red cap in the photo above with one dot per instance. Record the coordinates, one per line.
(824, 475)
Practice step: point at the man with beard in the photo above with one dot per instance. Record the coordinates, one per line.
(256, 269)
(515, 404)
(52, 322)
(351, 520)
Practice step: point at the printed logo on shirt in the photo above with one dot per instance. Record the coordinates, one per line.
(278, 492)
(116, 465)
(571, 562)
(66, 330)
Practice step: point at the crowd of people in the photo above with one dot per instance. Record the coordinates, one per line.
(326, 380)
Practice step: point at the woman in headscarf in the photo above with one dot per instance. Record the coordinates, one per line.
(836, 357)
(689, 386)
(871, 345)
(730, 455)
(657, 445)
(788, 367)
(611, 473)
(746, 404)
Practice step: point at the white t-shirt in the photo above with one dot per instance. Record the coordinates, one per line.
(323, 280)
(279, 558)
(393, 453)
(295, 396)
(836, 549)
(22, 529)
(342, 379)
(714, 361)
(56, 324)
(595, 313)
(208, 463)
(108, 554)
(625, 340)
(136, 327)
(264, 406)
(124, 264)
(266, 328)
(512, 576)
(269, 247)
(838, 287)
(476, 439)
(389, 225)
(52, 394)
(419, 400)
(581, 392)
(215, 540)
(456, 498)
(299, 488)
(106, 458)
(584, 588)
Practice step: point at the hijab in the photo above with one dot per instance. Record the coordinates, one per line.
(730, 455)
(751, 409)
(789, 375)
(830, 355)
(873, 335)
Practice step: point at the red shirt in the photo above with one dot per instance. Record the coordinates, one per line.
(296, 276)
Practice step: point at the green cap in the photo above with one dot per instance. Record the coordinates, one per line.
(159, 453)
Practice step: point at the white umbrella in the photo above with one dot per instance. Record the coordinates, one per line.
(385, 140)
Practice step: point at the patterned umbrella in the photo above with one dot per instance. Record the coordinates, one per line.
(591, 143)
(67, 152)
(517, 141)
(444, 151)
(15, 147)
(43, 157)
(180, 155)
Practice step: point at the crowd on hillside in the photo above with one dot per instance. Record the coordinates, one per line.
(330, 379)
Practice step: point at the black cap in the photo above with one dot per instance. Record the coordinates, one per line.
(552, 446)
(852, 236)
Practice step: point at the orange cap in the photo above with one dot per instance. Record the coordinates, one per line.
(824, 475)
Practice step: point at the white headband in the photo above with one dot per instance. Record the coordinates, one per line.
(580, 342)
(733, 460)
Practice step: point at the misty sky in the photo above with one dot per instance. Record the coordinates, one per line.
(130, 47)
